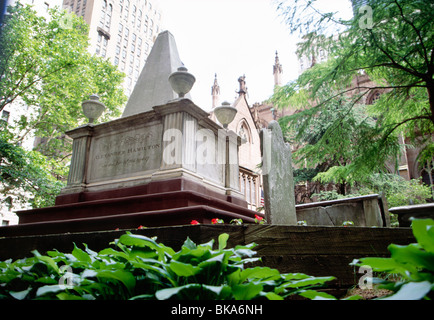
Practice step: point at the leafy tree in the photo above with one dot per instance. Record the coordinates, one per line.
(391, 42)
(27, 176)
(46, 67)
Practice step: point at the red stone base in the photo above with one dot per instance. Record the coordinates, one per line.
(163, 203)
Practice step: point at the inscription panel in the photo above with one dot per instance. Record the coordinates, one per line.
(126, 153)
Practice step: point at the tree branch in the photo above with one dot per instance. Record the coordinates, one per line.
(425, 55)
(396, 64)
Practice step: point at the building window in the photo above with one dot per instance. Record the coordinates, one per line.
(5, 115)
(374, 97)
(116, 61)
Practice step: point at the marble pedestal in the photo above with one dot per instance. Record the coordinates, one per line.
(163, 167)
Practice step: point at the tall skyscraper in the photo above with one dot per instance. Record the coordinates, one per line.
(121, 30)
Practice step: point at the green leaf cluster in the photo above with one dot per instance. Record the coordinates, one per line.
(46, 72)
(413, 264)
(27, 177)
(138, 268)
(331, 123)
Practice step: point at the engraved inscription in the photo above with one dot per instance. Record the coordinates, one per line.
(126, 153)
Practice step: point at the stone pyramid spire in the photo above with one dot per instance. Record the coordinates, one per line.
(153, 87)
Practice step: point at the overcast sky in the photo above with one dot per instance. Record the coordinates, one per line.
(233, 38)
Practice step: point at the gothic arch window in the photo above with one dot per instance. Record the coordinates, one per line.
(373, 97)
(244, 131)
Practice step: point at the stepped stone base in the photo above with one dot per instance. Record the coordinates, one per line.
(160, 203)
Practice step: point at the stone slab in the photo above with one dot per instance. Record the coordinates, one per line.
(279, 198)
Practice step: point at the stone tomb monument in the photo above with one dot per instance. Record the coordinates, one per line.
(279, 198)
(164, 162)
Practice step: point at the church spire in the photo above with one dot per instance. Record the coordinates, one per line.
(277, 72)
(243, 88)
(215, 92)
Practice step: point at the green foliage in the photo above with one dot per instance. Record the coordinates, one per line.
(331, 122)
(139, 268)
(414, 264)
(397, 191)
(47, 72)
(47, 67)
(304, 174)
(27, 175)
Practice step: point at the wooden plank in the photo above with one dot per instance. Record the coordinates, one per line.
(296, 240)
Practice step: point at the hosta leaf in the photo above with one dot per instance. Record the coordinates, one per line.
(382, 264)
(412, 254)
(183, 269)
(315, 295)
(166, 294)
(273, 296)
(68, 296)
(263, 273)
(49, 289)
(423, 230)
(246, 291)
(412, 291)
(81, 255)
(223, 240)
(189, 244)
(307, 282)
(124, 277)
(21, 294)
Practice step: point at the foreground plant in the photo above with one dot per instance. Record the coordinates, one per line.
(139, 268)
(413, 265)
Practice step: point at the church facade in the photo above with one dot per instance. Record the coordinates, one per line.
(251, 119)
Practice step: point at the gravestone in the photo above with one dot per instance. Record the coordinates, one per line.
(279, 198)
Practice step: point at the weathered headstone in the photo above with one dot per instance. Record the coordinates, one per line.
(278, 177)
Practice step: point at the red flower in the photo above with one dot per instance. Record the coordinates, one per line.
(216, 221)
(194, 222)
(141, 227)
(258, 218)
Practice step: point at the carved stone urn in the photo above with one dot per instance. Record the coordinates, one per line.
(225, 114)
(182, 81)
(93, 108)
